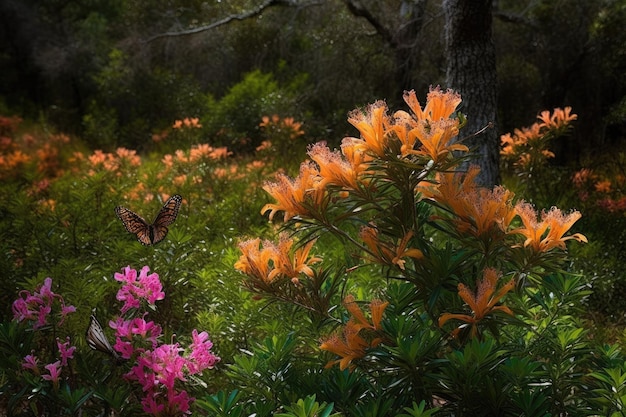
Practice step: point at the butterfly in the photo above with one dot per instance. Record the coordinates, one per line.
(97, 340)
(149, 234)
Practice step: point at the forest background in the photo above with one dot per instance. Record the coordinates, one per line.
(118, 74)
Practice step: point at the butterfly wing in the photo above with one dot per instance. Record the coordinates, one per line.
(97, 340)
(166, 216)
(135, 224)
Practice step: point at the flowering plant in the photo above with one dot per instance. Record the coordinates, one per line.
(158, 368)
(466, 281)
(161, 370)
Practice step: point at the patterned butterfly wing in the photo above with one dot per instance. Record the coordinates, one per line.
(135, 224)
(166, 216)
(97, 340)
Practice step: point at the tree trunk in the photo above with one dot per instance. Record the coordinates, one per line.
(471, 71)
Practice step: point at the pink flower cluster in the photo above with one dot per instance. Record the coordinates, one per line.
(38, 306)
(158, 367)
(135, 288)
(158, 370)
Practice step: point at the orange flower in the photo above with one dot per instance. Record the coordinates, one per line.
(583, 177)
(220, 153)
(559, 118)
(128, 155)
(354, 342)
(349, 347)
(292, 265)
(388, 254)
(293, 196)
(373, 126)
(265, 145)
(548, 233)
(255, 262)
(333, 168)
(603, 186)
(477, 209)
(273, 261)
(200, 151)
(15, 159)
(482, 302)
(377, 308)
(437, 139)
(439, 104)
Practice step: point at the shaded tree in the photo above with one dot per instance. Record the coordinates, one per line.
(471, 70)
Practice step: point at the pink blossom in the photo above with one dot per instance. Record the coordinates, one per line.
(55, 371)
(151, 406)
(147, 287)
(129, 276)
(152, 290)
(42, 316)
(38, 306)
(168, 364)
(66, 351)
(46, 289)
(122, 328)
(140, 327)
(201, 357)
(124, 348)
(31, 362)
(179, 401)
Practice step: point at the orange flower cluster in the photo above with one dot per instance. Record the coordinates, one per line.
(426, 132)
(482, 303)
(389, 254)
(478, 211)
(547, 233)
(187, 122)
(606, 193)
(286, 125)
(42, 150)
(295, 196)
(268, 262)
(528, 145)
(196, 154)
(112, 162)
(13, 160)
(354, 341)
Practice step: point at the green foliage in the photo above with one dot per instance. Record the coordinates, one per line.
(442, 339)
(308, 407)
(234, 118)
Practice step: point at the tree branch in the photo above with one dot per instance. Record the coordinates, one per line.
(357, 9)
(241, 16)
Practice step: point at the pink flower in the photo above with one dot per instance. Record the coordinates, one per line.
(54, 370)
(151, 406)
(147, 287)
(129, 276)
(179, 401)
(201, 357)
(66, 351)
(168, 364)
(125, 349)
(31, 362)
(122, 328)
(46, 289)
(38, 306)
(140, 327)
(152, 290)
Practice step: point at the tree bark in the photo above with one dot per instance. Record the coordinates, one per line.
(471, 70)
